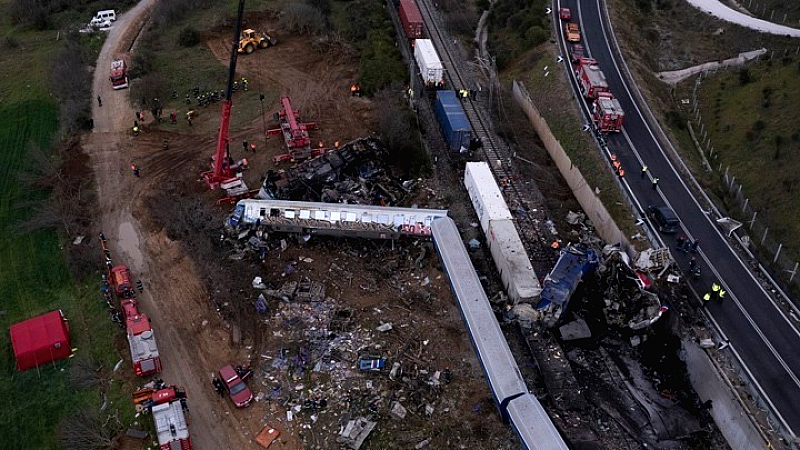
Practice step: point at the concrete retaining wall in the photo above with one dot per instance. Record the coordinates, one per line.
(606, 228)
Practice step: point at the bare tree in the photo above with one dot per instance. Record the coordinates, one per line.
(66, 207)
(302, 18)
(84, 373)
(72, 84)
(87, 429)
(150, 92)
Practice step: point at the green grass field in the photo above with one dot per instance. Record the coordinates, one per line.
(33, 274)
(754, 128)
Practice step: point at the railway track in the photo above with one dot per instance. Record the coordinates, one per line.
(530, 220)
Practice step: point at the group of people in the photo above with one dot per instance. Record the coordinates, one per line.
(465, 94)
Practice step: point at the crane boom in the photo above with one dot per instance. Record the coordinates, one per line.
(221, 170)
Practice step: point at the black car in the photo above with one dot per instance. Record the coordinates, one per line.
(664, 218)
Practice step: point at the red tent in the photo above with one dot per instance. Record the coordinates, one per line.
(40, 340)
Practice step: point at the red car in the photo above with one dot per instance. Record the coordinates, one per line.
(234, 384)
(564, 14)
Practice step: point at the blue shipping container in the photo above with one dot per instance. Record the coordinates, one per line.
(452, 120)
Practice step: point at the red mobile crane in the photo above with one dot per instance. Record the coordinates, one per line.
(222, 166)
(295, 134)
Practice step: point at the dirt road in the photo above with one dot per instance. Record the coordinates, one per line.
(185, 335)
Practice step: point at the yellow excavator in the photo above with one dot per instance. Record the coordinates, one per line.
(250, 40)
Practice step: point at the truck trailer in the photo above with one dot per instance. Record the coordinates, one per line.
(411, 19)
(453, 121)
(428, 63)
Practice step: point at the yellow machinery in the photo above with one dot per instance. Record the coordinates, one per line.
(251, 40)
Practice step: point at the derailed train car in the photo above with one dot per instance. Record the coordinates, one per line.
(515, 404)
(508, 252)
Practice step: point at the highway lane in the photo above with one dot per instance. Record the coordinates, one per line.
(758, 330)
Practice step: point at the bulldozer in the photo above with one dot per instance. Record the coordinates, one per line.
(251, 40)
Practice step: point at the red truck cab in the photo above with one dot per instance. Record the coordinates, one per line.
(121, 280)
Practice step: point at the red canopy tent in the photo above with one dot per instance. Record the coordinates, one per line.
(40, 340)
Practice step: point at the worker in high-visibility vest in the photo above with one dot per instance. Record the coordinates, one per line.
(715, 288)
(722, 294)
(706, 299)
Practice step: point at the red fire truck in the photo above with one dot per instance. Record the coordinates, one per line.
(591, 79)
(120, 278)
(607, 113)
(168, 406)
(119, 74)
(144, 351)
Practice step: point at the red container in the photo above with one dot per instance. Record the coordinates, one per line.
(411, 19)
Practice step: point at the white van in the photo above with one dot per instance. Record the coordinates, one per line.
(103, 18)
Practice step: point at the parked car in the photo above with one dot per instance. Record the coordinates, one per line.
(564, 14)
(578, 52)
(235, 386)
(664, 218)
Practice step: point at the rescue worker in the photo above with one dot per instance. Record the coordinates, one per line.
(644, 171)
(715, 288)
(218, 386)
(244, 83)
(706, 299)
(136, 130)
(655, 183)
(722, 294)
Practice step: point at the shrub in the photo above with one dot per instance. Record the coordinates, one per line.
(744, 76)
(10, 42)
(188, 37)
(759, 125)
(676, 119)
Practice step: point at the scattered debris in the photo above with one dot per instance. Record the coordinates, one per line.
(577, 329)
(356, 432)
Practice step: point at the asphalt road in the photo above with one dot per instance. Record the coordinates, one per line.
(758, 330)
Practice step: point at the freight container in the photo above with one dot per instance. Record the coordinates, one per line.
(411, 19)
(452, 120)
(485, 195)
(512, 262)
(428, 63)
